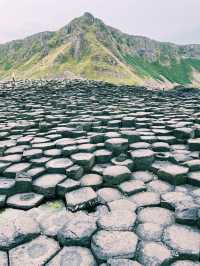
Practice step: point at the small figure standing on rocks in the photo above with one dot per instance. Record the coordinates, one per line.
(13, 79)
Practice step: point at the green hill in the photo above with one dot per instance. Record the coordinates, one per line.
(87, 48)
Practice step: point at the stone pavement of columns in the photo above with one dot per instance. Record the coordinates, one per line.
(93, 174)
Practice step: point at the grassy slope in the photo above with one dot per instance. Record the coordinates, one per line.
(176, 72)
(87, 66)
(27, 61)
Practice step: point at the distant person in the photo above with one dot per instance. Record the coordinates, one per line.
(13, 80)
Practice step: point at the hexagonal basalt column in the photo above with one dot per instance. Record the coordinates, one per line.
(58, 165)
(184, 240)
(142, 158)
(117, 145)
(83, 198)
(46, 184)
(174, 174)
(118, 244)
(86, 160)
(114, 175)
(37, 252)
(16, 227)
(74, 255)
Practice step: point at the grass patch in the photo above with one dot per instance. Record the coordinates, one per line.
(177, 72)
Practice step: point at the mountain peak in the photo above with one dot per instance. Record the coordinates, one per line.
(88, 15)
(79, 24)
(89, 48)
(88, 18)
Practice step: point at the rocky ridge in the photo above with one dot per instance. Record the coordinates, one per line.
(88, 48)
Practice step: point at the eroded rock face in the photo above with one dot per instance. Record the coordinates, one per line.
(93, 174)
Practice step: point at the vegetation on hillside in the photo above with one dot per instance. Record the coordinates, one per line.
(87, 48)
(176, 72)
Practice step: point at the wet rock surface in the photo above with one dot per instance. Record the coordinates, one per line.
(92, 174)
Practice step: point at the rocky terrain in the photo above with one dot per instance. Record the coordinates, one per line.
(96, 174)
(88, 48)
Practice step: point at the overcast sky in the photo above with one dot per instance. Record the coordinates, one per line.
(164, 20)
